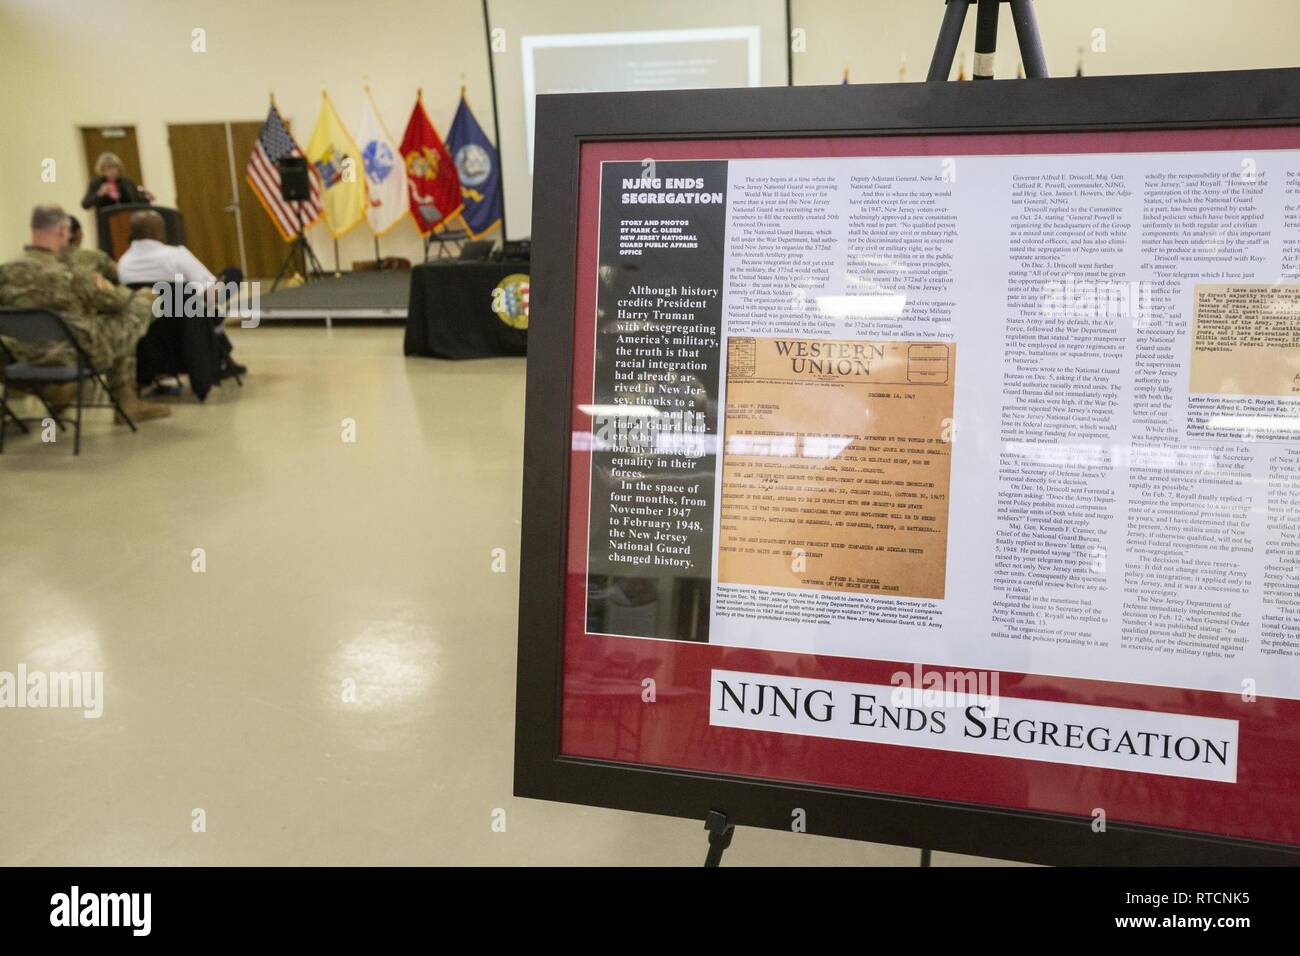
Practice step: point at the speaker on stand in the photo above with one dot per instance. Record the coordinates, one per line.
(295, 189)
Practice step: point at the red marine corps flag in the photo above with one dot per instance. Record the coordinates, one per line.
(430, 172)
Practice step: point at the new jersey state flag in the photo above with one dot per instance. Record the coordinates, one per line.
(338, 161)
(385, 170)
(479, 171)
(434, 188)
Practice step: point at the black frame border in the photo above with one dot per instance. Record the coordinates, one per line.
(1249, 98)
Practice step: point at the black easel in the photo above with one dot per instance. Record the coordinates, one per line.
(310, 264)
(720, 834)
(986, 38)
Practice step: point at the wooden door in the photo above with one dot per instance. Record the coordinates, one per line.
(225, 223)
(263, 247)
(201, 165)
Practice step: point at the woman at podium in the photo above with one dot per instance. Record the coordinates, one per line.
(110, 188)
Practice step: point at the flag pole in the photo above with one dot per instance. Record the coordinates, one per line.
(496, 123)
(365, 87)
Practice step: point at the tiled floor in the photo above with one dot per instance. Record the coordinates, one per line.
(326, 562)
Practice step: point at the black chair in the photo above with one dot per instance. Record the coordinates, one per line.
(217, 347)
(42, 325)
(450, 241)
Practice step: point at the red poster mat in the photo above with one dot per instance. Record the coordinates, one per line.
(603, 713)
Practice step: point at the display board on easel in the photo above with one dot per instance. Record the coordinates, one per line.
(923, 467)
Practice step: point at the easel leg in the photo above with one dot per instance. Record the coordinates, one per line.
(1031, 43)
(945, 48)
(986, 38)
(720, 834)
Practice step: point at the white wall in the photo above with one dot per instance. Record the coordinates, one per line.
(71, 63)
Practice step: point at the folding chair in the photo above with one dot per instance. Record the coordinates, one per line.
(42, 325)
(449, 239)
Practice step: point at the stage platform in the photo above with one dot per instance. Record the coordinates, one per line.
(352, 295)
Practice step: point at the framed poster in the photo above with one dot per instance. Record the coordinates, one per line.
(921, 464)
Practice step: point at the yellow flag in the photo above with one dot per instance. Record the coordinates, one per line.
(338, 160)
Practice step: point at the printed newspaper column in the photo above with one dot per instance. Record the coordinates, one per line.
(654, 415)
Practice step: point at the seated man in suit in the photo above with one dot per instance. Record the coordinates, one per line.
(150, 260)
(97, 311)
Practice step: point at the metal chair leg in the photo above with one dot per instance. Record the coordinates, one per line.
(7, 413)
(117, 407)
(76, 441)
(40, 393)
(10, 416)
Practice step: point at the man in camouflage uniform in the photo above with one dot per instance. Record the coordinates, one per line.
(96, 311)
(76, 255)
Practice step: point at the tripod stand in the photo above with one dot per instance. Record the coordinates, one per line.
(986, 38)
(311, 266)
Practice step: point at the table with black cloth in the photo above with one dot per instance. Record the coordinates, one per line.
(450, 311)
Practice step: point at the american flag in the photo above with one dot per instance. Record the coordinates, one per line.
(263, 176)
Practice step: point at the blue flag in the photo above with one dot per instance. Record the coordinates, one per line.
(479, 170)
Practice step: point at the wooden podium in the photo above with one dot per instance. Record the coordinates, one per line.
(114, 224)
